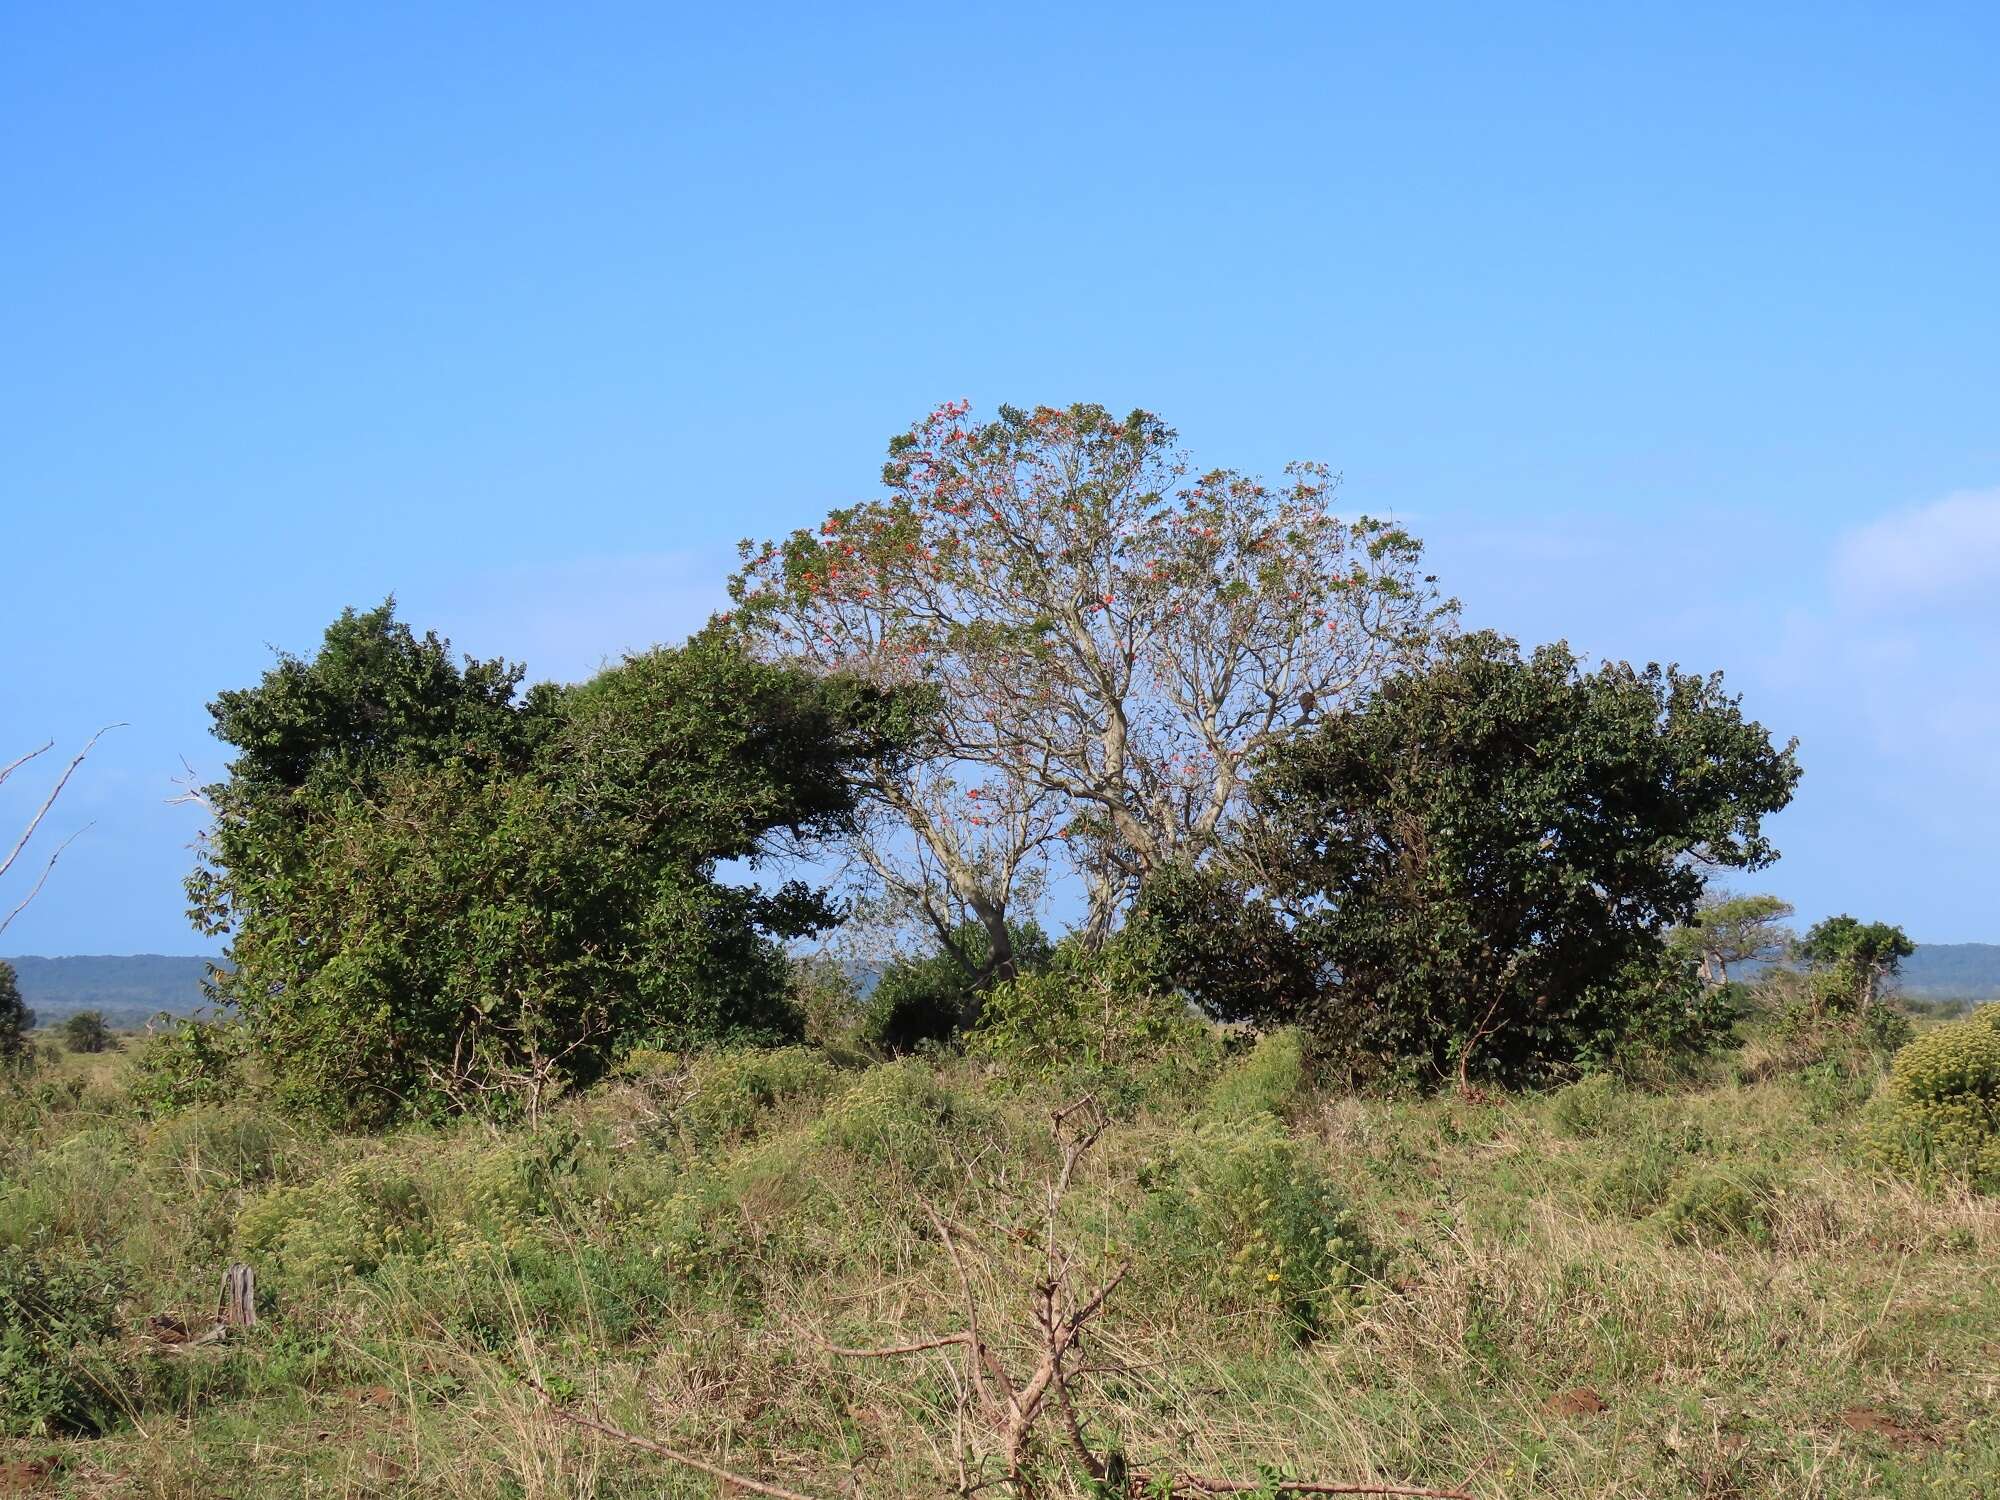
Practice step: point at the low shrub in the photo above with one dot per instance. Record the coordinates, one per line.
(1938, 1118)
(79, 1191)
(1100, 1018)
(1713, 1205)
(1267, 1080)
(902, 1114)
(1594, 1106)
(731, 1092)
(217, 1146)
(344, 1225)
(58, 1315)
(1237, 1210)
(1638, 1180)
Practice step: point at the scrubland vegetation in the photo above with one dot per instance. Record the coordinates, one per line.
(1719, 1288)
(1389, 1120)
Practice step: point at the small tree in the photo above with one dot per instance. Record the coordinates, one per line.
(16, 1020)
(1729, 929)
(85, 1032)
(1478, 866)
(1855, 956)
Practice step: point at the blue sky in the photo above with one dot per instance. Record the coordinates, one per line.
(1674, 331)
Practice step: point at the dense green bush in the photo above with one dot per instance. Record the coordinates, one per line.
(1096, 1017)
(1239, 1211)
(192, 1063)
(1938, 1118)
(85, 1032)
(442, 893)
(16, 1020)
(730, 1092)
(1478, 867)
(58, 1315)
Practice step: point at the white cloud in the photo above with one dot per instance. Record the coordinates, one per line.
(1932, 556)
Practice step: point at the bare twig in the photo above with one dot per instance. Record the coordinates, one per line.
(1010, 1411)
(632, 1439)
(918, 1348)
(34, 823)
(40, 880)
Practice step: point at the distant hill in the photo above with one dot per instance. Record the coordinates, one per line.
(1952, 971)
(130, 988)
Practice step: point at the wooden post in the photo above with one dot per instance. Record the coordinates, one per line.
(238, 1307)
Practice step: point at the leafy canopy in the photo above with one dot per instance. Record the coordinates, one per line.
(1855, 957)
(1476, 868)
(86, 1032)
(16, 1020)
(439, 888)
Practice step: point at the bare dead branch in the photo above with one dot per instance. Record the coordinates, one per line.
(948, 1341)
(42, 879)
(55, 791)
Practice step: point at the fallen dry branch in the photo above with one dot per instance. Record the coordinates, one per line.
(647, 1445)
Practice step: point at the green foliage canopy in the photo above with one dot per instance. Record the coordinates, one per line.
(1855, 956)
(16, 1020)
(1476, 868)
(437, 887)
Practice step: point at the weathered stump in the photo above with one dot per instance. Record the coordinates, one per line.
(238, 1307)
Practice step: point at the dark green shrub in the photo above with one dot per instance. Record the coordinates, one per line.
(58, 1316)
(442, 893)
(932, 997)
(1481, 863)
(16, 1020)
(85, 1032)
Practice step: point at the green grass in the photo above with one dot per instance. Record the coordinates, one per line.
(1597, 1292)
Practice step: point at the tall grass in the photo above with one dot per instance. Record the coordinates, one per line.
(1703, 1291)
